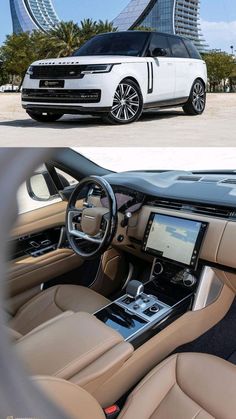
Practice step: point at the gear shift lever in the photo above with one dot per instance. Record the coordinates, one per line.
(134, 289)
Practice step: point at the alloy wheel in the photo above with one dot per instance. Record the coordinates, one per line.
(199, 97)
(126, 104)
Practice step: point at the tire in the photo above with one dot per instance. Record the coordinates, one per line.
(127, 105)
(44, 117)
(197, 100)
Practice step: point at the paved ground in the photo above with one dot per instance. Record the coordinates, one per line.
(217, 127)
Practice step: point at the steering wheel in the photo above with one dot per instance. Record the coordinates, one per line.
(91, 229)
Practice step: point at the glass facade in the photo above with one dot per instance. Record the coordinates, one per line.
(180, 17)
(160, 16)
(28, 15)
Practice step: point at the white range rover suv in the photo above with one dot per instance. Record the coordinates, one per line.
(118, 75)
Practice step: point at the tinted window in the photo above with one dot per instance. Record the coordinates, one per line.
(159, 41)
(192, 49)
(178, 48)
(119, 43)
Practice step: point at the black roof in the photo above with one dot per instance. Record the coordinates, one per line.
(148, 32)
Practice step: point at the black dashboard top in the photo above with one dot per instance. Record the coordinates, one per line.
(208, 189)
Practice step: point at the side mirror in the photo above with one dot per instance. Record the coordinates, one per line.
(40, 186)
(159, 52)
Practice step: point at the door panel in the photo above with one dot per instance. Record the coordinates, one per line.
(40, 219)
(163, 79)
(184, 77)
(183, 64)
(26, 272)
(162, 69)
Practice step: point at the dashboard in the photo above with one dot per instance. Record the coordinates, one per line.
(207, 200)
(127, 199)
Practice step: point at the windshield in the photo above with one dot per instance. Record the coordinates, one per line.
(179, 158)
(118, 43)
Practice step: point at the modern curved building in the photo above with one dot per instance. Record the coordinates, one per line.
(29, 15)
(180, 17)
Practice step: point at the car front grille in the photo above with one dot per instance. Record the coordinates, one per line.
(42, 72)
(61, 95)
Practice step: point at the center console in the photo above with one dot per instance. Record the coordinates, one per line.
(146, 308)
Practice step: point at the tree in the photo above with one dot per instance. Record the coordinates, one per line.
(143, 28)
(20, 50)
(61, 40)
(17, 53)
(66, 37)
(90, 28)
(105, 26)
(220, 66)
(4, 76)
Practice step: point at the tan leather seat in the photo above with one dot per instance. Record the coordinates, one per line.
(184, 386)
(54, 301)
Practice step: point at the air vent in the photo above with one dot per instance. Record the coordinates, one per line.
(210, 179)
(95, 191)
(229, 181)
(189, 178)
(212, 211)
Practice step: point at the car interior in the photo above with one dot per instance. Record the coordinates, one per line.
(121, 290)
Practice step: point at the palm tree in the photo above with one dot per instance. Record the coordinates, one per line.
(87, 29)
(106, 26)
(62, 40)
(90, 28)
(143, 28)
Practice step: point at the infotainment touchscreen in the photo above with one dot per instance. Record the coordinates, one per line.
(174, 238)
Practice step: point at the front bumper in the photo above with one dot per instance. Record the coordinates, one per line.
(72, 110)
(65, 96)
(68, 99)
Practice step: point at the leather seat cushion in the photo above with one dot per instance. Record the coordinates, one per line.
(73, 400)
(185, 386)
(54, 301)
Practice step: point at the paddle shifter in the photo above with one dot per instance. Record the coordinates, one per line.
(134, 289)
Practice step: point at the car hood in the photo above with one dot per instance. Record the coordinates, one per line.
(94, 59)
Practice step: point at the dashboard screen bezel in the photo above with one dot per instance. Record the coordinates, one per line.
(196, 250)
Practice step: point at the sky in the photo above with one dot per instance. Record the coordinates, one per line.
(218, 17)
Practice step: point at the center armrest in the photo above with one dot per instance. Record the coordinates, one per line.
(68, 345)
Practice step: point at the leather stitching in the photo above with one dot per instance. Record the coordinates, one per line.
(144, 381)
(186, 393)
(169, 391)
(56, 303)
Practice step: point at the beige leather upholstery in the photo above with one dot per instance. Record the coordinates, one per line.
(54, 301)
(75, 401)
(69, 344)
(184, 386)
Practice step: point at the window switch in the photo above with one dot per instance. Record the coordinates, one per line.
(34, 244)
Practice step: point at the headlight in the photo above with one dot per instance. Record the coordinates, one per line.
(97, 68)
(30, 71)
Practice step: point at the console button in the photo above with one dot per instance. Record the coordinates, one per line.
(127, 300)
(155, 308)
(136, 306)
(148, 313)
(146, 300)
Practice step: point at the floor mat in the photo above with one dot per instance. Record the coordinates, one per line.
(219, 341)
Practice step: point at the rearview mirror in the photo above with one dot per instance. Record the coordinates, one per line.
(159, 52)
(40, 186)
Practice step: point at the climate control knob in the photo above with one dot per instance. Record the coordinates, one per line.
(158, 269)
